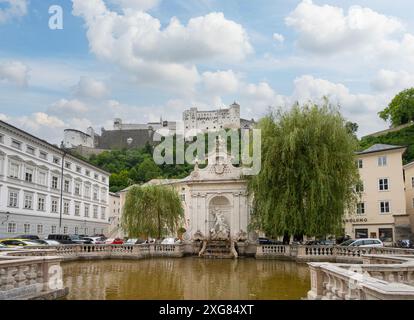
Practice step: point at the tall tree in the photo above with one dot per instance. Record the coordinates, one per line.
(401, 109)
(308, 172)
(154, 211)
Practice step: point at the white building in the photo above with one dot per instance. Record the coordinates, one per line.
(31, 195)
(75, 138)
(114, 230)
(212, 120)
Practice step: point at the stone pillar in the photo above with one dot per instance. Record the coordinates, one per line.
(316, 292)
(235, 226)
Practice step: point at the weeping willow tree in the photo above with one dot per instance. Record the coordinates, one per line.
(308, 172)
(153, 211)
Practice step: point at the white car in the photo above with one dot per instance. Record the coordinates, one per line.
(52, 242)
(171, 241)
(95, 240)
(364, 243)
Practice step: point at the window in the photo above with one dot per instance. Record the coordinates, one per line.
(77, 188)
(13, 199)
(65, 230)
(30, 150)
(43, 155)
(56, 160)
(86, 210)
(28, 176)
(87, 192)
(77, 209)
(40, 229)
(1, 138)
(386, 235)
(385, 207)
(26, 228)
(96, 176)
(14, 170)
(361, 233)
(54, 206)
(42, 178)
(41, 200)
(95, 194)
(88, 173)
(11, 227)
(86, 231)
(361, 208)
(103, 179)
(382, 161)
(103, 213)
(55, 181)
(53, 229)
(413, 202)
(66, 207)
(78, 169)
(66, 186)
(412, 182)
(383, 184)
(28, 201)
(359, 164)
(183, 197)
(16, 144)
(95, 212)
(68, 165)
(359, 187)
(76, 230)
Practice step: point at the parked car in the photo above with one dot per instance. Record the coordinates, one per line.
(13, 243)
(52, 242)
(114, 241)
(135, 241)
(28, 237)
(171, 241)
(375, 243)
(94, 240)
(407, 244)
(269, 241)
(68, 239)
(320, 243)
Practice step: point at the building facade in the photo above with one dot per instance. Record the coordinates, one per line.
(114, 230)
(409, 194)
(381, 209)
(212, 120)
(39, 183)
(215, 198)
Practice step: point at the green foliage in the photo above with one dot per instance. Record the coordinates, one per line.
(152, 211)
(402, 137)
(135, 166)
(308, 172)
(401, 109)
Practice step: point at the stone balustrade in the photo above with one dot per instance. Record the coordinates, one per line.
(30, 275)
(362, 282)
(324, 253)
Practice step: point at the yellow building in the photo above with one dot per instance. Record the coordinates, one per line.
(381, 210)
(409, 193)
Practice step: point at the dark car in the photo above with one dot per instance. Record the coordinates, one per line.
(28, 237)
(269, 241)
(68, 239)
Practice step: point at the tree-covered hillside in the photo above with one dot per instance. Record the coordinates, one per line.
(403, 137)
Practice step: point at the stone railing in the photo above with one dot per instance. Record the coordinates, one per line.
(324, 253)
(30, 275)
(98, 251)
(362, 282)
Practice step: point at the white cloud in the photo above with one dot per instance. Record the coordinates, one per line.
(136, 41)
(327, 29)
(387, 80)
(13, 9)
(278, 37)
(3, 117)
(91, 88)
(221, 82)
(68, 107)
(14, 72)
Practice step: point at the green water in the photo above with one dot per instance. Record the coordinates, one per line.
(187, 278)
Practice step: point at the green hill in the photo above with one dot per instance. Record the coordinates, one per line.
(403, 137)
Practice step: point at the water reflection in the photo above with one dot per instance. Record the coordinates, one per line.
(189, 279)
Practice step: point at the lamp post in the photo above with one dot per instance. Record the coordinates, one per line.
(62, 147)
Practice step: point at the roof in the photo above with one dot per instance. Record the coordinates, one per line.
(380, 148)
(54, 147)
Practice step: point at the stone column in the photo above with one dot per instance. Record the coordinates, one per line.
(235, 225)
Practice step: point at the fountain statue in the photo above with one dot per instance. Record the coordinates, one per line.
(220, 230)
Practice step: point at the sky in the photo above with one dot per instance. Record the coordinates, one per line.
(141, 60)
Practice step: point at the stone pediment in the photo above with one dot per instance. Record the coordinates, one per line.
(219, 166)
